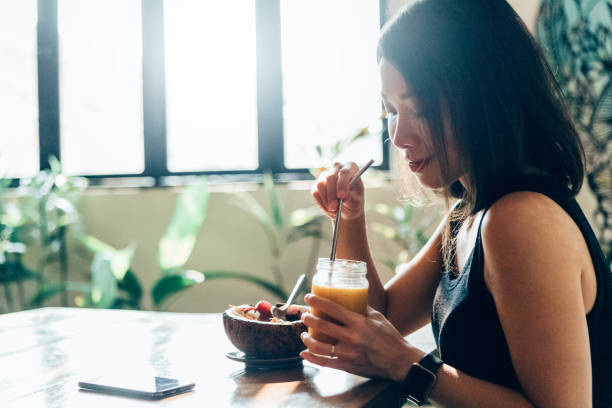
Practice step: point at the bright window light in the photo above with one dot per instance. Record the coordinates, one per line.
(330, 79)
(211, 107)
(18, 90)
(100, 48)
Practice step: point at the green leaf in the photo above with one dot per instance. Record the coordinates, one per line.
(177, 242)
(104, 289)
(248, 203)
(267, 285)
(121, 303)
(63, 205)
(120, 259)
(275, 208)
(132, 287)
(55, 165)
(306, 215)
(47, 291)
(5, 183)
(51, 289)
(311, 229)
(170, 285)
(12, 216)
(92, 243)
(319, 150)
(421, 238)
(363, 132)
(15, 272)
(408, 210)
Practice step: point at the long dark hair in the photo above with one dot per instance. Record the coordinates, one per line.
(477, 60)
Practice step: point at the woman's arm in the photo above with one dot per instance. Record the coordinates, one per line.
(407, 298)
(534, 259)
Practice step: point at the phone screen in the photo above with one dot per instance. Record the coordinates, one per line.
(133, 386)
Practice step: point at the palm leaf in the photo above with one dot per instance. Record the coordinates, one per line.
(275, 207)
(170, 285)
(120, 259)
(177, 243)
(51, 289)
(11, 272)
(267, 285)
(104, 288)
(93, 244)
(311, 229)
(248, 203)
(130, 285)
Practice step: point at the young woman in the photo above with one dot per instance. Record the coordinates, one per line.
(513, 281)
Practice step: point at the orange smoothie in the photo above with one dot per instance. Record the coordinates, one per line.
(354, 299)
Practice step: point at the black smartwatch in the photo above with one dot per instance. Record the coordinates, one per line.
(421, 379)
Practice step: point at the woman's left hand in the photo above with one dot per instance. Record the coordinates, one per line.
(368, 345)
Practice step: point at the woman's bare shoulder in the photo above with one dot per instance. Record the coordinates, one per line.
(530, 229)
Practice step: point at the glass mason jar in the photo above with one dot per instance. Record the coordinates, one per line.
(344, 282)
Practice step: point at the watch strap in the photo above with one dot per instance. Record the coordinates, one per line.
(431, 362)
(413, 387)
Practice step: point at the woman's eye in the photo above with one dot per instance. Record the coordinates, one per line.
(391, 115)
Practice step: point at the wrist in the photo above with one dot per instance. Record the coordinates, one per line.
(421, 379)
(409, 356)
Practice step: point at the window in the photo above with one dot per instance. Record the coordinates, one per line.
(330, 79)
(211, 95)
(159, 88)
(100, 79)
(18, 90)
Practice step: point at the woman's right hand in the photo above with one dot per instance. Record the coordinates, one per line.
(333, 184)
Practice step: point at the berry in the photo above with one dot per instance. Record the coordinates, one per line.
(264, 309)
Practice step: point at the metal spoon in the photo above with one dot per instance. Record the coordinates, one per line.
(280, 311)
(332, 257)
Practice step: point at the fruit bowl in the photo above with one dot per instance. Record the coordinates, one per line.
(269, 339)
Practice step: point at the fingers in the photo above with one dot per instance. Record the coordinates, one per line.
(332, 309)
(337, 363)
(319, 347)
(332, 185)
(345, 175)
(326, 327)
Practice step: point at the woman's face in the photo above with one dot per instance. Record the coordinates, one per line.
(409, 132)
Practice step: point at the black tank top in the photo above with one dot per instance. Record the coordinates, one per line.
(466, 326)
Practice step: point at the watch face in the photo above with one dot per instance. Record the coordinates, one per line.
(418, 383)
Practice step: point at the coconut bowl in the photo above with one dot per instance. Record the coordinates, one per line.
(264, 340)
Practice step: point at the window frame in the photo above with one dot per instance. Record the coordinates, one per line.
(269, 98)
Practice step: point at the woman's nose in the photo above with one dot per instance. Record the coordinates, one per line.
(402, 134)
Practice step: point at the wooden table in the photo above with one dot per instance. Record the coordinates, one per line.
(45, 352)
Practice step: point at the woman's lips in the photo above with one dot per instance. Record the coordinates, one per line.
(418, 166)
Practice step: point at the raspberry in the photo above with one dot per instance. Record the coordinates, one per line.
(264, 309)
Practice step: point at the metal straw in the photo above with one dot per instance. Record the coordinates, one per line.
(332, 257)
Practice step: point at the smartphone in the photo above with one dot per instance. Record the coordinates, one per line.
(145, 387)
